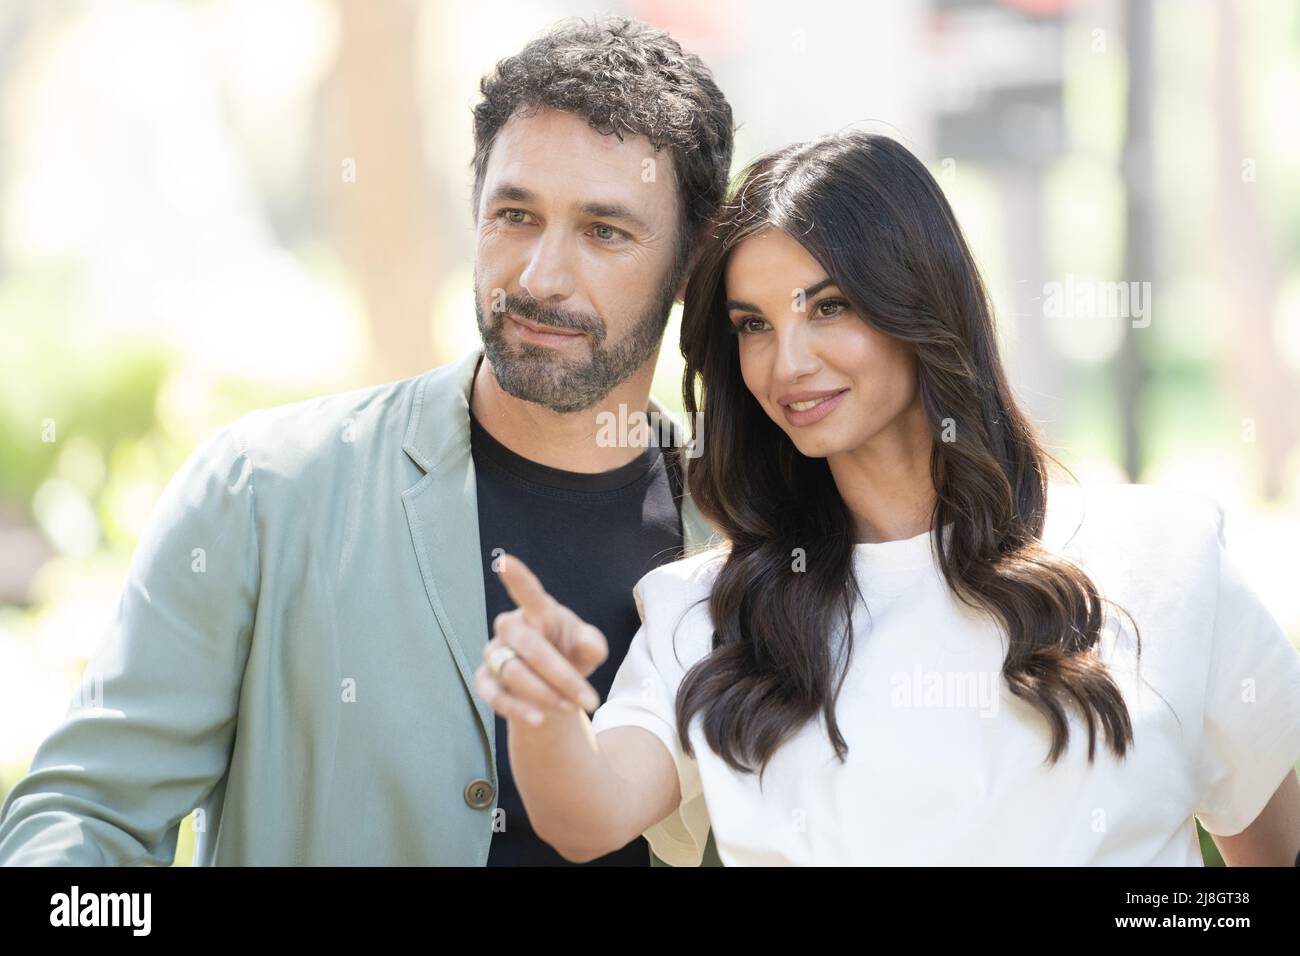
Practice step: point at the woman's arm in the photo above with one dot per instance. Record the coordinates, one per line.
(586, 794)
(1274, 838)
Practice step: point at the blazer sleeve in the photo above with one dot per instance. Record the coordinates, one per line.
(643, 694)
(1251, 732)
(148, 736)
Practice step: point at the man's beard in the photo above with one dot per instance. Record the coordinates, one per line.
(537, 373)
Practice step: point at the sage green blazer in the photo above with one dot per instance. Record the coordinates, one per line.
(293, 653)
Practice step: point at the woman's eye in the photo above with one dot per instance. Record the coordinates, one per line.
(837, 306)
(744, 327)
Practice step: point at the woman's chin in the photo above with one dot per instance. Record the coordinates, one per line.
(815, 446)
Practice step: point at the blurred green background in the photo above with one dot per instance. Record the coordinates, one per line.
(210, 207)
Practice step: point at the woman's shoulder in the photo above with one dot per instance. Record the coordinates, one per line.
(673, 592)
(691, 573)
(1132, 518)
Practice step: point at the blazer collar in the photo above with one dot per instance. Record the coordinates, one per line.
(439, 421)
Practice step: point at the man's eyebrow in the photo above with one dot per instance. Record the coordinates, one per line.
(511, 192)
(809, 292)
(613, 210)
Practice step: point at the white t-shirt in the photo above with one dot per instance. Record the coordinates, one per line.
(945, 765)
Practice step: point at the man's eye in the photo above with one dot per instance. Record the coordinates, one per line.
(606, 233)
(513, 216)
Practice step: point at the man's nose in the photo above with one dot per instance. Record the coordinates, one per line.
(549, 273)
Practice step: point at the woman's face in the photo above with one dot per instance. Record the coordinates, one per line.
(799, 339)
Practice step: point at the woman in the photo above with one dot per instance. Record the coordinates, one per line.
(913, 648)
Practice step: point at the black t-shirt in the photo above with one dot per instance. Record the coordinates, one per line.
(589, 538)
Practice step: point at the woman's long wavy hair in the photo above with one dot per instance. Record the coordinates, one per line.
(875, 219)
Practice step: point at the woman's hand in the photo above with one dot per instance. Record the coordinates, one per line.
(540, 654)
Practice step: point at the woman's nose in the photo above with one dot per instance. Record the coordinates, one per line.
(795, 355)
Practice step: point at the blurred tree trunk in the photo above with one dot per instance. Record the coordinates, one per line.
(1250, 275)
(17, 23)
(1140, 261)
(378, 195)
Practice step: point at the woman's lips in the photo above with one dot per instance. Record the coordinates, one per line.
(815, 414)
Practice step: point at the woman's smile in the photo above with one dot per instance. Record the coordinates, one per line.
(813, 410)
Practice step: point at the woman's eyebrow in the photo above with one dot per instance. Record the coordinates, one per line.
(750, 307)
(812, 290)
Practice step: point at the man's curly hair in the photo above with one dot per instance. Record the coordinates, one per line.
(623, 77)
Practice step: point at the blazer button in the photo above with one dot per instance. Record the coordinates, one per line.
(479, 793)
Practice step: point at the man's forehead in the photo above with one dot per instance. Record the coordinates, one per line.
(539, 128)
(558, 156)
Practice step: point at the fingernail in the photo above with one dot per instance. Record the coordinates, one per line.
(534, 718)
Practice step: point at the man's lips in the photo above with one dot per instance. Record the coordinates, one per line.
(542, 329)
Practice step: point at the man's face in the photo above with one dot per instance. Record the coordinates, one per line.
(577, 234)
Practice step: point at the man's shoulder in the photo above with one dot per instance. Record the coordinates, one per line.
(326, 424)
(363, 426)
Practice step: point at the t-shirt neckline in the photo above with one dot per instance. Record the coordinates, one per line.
(483, 443)
(902, 554)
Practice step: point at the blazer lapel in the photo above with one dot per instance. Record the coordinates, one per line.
(442, 511)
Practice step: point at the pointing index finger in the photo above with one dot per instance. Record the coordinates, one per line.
(525, 590)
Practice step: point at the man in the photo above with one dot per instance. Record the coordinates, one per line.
(298, 634)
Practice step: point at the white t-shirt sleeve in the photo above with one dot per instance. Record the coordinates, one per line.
(1251, 733)
(643, 694)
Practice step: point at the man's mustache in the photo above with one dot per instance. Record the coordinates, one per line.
(534, 311)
